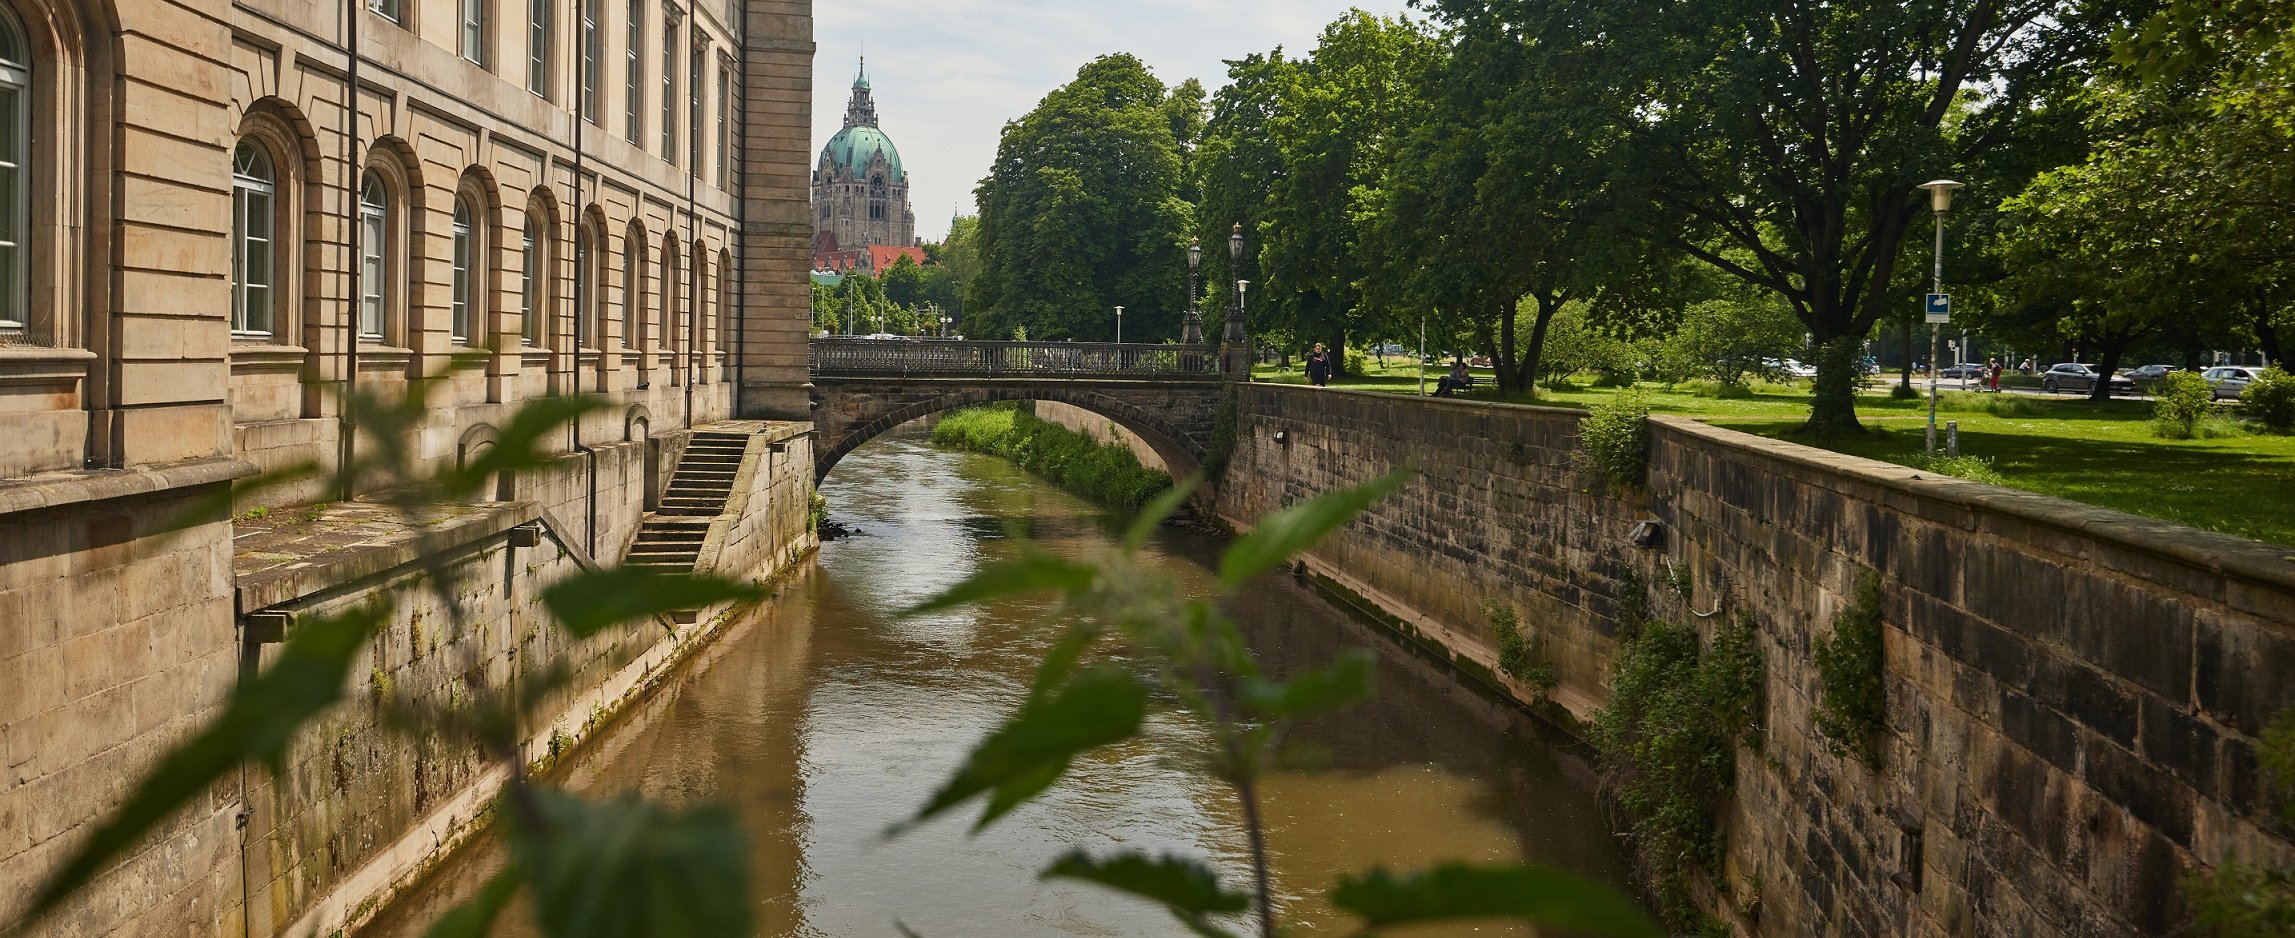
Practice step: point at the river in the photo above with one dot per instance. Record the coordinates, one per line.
(823, 719)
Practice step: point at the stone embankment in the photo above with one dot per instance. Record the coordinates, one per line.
(2074, 695)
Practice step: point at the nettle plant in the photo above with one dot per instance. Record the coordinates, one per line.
(625, 867)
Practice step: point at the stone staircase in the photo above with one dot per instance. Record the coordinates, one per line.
(672, 536)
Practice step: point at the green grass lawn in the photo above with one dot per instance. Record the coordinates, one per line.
(2101, 454)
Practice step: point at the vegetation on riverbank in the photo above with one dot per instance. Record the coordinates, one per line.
(1107, 473)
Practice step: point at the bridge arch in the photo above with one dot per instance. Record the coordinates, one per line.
(1182, 452)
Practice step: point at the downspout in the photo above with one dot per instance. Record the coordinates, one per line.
(739, 153)
(346, 448)
(692, 267)
(582, 41)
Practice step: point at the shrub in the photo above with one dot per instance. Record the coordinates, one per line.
(1972, 468)
(1613, 439)
(2270, 400)
(2183, 400)
(1107, 473)
(1517, 649)
(1903, 392)
(1853, 709)
(1358, 364)
(1668, 742)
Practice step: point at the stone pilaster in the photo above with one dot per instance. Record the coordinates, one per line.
(776, 203)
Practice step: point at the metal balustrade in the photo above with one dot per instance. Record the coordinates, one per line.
(844, 356)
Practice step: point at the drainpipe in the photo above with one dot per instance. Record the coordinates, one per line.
(581, 267)
(692, 264)
(347, 425)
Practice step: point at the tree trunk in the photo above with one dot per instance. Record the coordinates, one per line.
(1547, 307)
(2267, 335)
(1338, 349)
(1509, 378)
(1833, 407)
(1906, 381)
(2113, 346)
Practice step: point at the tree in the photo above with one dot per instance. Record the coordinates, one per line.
(1337, 124)
(1507, 203)
(1797, 133)
(1732, 338)
(1082, 211)
(1234, 164)
(904, 283)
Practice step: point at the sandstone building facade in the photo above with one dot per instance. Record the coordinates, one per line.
(220, 220)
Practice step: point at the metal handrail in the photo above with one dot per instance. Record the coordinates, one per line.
(842, 356)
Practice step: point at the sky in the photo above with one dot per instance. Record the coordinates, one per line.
(948, 73)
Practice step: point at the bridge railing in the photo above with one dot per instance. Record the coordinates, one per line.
(839, 356)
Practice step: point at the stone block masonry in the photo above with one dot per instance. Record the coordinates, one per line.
(2074, 694)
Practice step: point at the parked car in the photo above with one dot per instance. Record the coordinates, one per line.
(2149, 374)
(1789, 368)
(2230, 380)
(2077, 378)
(1963, 370)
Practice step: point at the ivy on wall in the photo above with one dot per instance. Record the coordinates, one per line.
(1853, 710)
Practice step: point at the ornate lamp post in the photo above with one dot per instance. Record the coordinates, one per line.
(1119, 325)
(1234, 346)
(1191, 330)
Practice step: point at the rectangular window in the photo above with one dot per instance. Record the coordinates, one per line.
(693, 135)
(251, 257)
(725, 129)
(474, 30)
(538, 47)
(389, 9)
(593, 55)
(631, 108)
(669, 88)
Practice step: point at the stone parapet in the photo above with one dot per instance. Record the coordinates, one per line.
(2075, 694)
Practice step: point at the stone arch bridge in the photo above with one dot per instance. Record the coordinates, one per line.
(1168, 394)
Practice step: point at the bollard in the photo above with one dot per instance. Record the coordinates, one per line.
(1952, 438)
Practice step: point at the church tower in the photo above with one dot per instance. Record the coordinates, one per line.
(860, 190)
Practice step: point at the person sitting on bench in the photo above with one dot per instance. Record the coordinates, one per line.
(1455, 382)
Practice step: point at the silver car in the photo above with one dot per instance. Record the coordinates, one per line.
(2230, 380)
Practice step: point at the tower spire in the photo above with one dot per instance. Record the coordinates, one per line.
(862, 110)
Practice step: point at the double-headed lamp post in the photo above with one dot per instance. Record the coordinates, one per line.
(1191, 329)
(1119, 325)
(1940, 202)
(1234, 346)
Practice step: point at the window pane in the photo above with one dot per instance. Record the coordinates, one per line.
(460, 324)
(538, 47)
(636, 72)
(474, 30)
(528, 281)
(592, 51)
(13, 50)
(669, 91)
(388, 8)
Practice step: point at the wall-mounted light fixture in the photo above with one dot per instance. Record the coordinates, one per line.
(526, 535)
(1283, 437)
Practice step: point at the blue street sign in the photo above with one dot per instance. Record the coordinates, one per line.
(1939, 308)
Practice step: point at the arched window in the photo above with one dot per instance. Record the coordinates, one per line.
(464, 285)
(529, 285)
(254, 187)
(15, 175)
(374, 248)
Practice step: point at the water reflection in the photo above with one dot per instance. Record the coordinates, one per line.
(824, 720)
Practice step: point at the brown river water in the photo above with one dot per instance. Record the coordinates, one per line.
(824, 719)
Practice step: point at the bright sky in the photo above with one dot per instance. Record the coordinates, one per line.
(948, 73)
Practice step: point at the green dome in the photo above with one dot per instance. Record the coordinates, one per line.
(853, 147)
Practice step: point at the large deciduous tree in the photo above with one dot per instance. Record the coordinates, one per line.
(1082, 211)
(1235, 164)
(1797, 131)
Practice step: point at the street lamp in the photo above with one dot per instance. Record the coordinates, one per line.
(1191, 332)
(1939, 202)
(1119, 325)
(1234, 346)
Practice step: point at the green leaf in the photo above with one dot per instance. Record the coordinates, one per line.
(1185, 886)
(1346, 681)
(1285, 533)
(1155, 513)
(1463, 891)
(1033, 748)
(628, 868)
(474, 918)
(1035, 570)
(256, 724)
(592, 601)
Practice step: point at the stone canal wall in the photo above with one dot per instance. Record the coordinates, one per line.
(2074, 694)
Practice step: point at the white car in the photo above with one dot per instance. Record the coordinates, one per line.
(1790, 368)
(2230, 380)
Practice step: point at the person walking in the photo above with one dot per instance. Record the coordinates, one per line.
(1319, 367)
(1993, 374)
